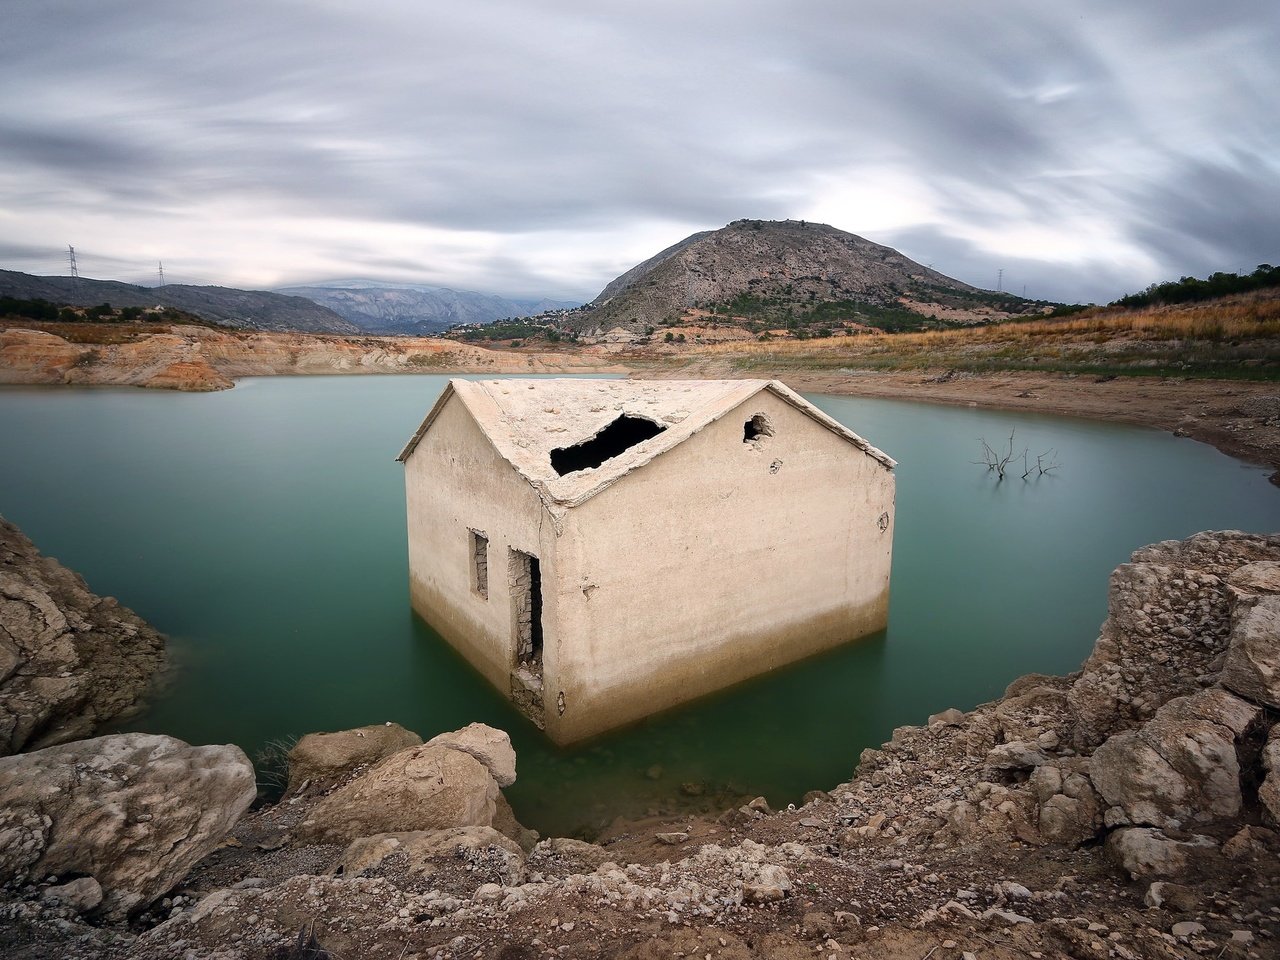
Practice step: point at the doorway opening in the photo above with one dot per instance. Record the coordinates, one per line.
(526, 609)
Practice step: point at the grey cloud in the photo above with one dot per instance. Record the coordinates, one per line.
(515, 119)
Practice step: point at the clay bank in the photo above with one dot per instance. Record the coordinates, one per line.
(601, 550)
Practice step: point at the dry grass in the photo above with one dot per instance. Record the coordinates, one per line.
(1235, 336)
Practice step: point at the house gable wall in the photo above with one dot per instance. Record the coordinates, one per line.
(455, 483)
(715, 562)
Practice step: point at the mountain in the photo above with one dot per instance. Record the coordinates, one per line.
(792, 274)
(402, 308)
(257, 309)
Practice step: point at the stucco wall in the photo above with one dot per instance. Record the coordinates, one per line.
(709, 565)
(454, 482)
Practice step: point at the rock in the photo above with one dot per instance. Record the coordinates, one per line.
(1070, 811)
(947, 718)
(69, 660)
(770, 883)
(82, 894)
(1008, 916)
(133, 811)
(1269, 791)
(760, 804)
(417, 850)
(1187, 928)
(1248, 842)
(505, 822)
(1174, 896)
(1181, 766)
(1252, 667)
(1016, 755)
(576, 852)
(422, 788)
(1146, 852)
(672, 838)
(325, 758)
(1261, 576)
(490, 746)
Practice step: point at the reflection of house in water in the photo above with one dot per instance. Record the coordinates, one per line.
(603, 549)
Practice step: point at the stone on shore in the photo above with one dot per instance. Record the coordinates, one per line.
(416, 851)
(1269, 791)
(69, 659)
(134, 811)
(325, 758)
(1252, 667)
(1181, 767)
(1146, 852)
(490, 746)
(421, 788)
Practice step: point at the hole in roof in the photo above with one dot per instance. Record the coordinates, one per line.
(618, 437)
(756, 428)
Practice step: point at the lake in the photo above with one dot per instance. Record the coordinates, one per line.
(262, 529)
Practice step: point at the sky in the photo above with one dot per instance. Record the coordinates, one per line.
(1085, 149)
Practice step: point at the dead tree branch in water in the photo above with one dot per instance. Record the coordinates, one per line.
(998, 461)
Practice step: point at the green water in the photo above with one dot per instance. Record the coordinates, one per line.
(262, 529)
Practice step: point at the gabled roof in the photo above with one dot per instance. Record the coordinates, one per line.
(527, 419)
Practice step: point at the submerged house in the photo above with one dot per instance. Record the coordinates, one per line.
(604, 549)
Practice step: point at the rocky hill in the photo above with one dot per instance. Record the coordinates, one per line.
(225, 306)
(417, 310)
(788, 274)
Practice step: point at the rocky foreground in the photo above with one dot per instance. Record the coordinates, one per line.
(69, 659)
(1126, 811)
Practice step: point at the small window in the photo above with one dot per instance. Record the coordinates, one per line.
(480, 564)
(757, 428)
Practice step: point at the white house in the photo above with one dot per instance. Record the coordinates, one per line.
(604, 549)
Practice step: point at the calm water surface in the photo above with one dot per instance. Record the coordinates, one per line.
(262, 529)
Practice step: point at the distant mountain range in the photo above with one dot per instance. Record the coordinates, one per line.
(769, 274)
(258, 309)
(402, 308)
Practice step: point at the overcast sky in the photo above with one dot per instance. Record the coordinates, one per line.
(544, 146)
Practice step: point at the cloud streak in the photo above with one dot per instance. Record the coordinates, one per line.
(542, 149)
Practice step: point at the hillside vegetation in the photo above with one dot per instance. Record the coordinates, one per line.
(1232, 337)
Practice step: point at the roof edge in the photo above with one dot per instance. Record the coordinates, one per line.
(785, 393)
(434, 412)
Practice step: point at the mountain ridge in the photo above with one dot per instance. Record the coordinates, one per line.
(414, 309)
(225, 306)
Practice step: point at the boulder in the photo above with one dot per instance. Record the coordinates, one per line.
(769, 883)
(1146, 852)
(133, 811)
(1069, 809)
(951, 717)
(1252, 667)
(69, 660)
(422, 788)
(1269, 791)
(417, 851)
(1015, 756)
(491, 747)
(325, 758)
(1181, 766)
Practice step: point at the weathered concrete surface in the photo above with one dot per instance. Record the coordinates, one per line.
(134, 811)
(692, 561)
(69, 660)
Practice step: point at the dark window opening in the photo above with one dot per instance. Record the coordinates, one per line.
(480, 564)
(757, 427)
(618, 437)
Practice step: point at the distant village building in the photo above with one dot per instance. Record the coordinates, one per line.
(604, 549)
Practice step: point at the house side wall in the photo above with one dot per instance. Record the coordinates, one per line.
(715, 562)
(455, 482)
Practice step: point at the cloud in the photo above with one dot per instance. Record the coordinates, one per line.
(538, 149)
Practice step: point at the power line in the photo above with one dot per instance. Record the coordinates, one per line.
(160, 263)
(1000, 280)
(71, 258)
